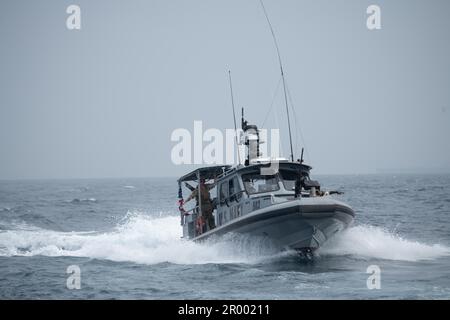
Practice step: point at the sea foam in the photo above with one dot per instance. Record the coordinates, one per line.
(145, 239)
(365, 241)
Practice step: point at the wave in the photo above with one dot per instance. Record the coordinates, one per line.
(373, 242)
(144, 239)
(138, 238)
(87, 200)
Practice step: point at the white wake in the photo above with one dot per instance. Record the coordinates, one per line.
(139, 238)
(374, 242)
(144, 239)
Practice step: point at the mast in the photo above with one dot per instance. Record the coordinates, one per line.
(282, 76)
(234, 118)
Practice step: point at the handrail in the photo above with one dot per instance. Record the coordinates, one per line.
(187, 212)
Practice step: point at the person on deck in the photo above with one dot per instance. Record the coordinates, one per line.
(204, 201)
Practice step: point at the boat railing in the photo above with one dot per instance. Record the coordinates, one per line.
(185, 213)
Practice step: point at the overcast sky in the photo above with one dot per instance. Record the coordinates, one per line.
(103, 101)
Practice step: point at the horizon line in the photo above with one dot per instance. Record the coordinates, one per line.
(175, 177)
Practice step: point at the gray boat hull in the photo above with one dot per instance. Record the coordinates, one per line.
(301, 224)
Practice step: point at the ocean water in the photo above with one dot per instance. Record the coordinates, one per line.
(124, 235)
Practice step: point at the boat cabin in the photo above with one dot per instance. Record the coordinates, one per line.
(240, 190)
(237, 191)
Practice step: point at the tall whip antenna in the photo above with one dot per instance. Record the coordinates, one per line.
(234, 117)
(282, 76)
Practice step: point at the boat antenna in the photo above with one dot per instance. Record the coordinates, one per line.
(282, 76)
(234, 117)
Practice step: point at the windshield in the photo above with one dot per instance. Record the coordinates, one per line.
(257, 183)
(288, 177)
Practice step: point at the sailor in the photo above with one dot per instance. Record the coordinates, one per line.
(205, 201)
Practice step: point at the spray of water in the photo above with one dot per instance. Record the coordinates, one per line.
(373, 242)
(137, 238)
(143, 239)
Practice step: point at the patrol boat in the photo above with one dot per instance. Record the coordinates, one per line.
(270, 198)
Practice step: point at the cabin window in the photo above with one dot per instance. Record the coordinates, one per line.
(223, 191)
(233, 186)
(289, 178)
(257, 183)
